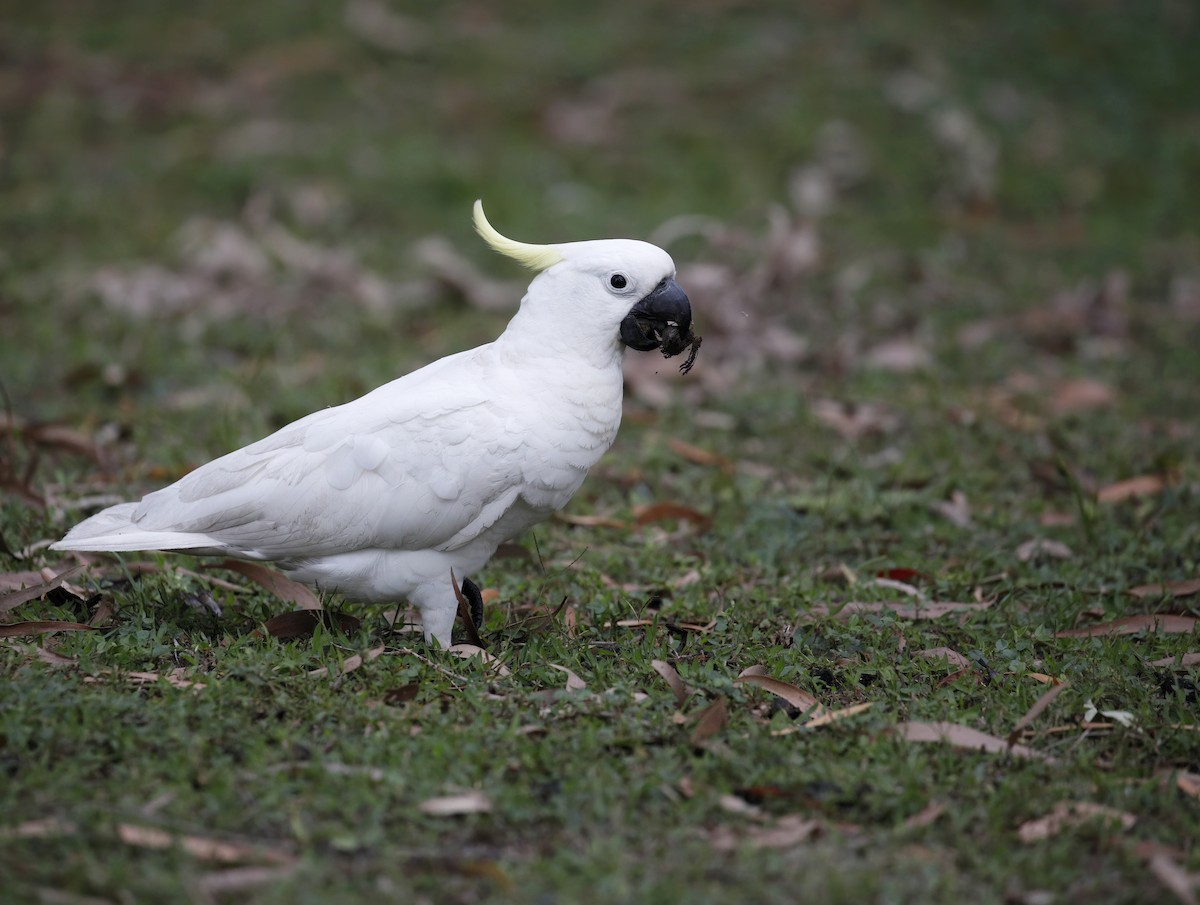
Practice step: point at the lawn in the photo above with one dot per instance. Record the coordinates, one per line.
(892, 598)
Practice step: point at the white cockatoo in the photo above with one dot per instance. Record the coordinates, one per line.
(384, 497)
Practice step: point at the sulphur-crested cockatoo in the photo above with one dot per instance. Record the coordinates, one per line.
(384, 497)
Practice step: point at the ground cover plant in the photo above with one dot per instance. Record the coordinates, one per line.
(891, 598)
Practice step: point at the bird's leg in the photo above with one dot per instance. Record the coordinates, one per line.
(474, 597)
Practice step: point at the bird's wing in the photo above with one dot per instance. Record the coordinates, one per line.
(413, 465)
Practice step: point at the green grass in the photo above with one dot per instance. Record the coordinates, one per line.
(124, 131)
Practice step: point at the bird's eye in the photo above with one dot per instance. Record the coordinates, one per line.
(618, 281)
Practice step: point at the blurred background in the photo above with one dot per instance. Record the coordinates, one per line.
(216, 218)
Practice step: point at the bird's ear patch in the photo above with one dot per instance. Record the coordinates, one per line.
(535, 257)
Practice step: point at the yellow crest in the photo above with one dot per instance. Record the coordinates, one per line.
(535, 257)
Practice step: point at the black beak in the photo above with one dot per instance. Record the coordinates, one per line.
(661, 320)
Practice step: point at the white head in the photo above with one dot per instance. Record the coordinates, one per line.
(601, 294)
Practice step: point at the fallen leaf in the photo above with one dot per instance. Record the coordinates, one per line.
(671, 512)
(1163, 623)
(699, 456)
(1188, 784)
(14, 599)
(957, 509)
(797, 697)
(673, 679)
(1181, 884)
(1191, 659)
(38, 627)
(240, 879)
(1069, 814)
(302, 623)
(925, 817)
(1143, 485)
(1041, 546)
(1184, 588)
(349, 664)
(1080, 395)
(906, 609)
(711, 721)
(592, 521)
(274, 582)
(574, 683)
(1038, 708)
(474, 802)
(200, 847)
(964, 737)
(833, 716)
(467, 651)
(1120, 717)
(949, 655)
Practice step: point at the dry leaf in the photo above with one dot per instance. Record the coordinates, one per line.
(1080, 395)
(240, 879)
(1190, 659)
(592, 521)
(274, 582)
(302, 623)
(1038, 708)
(673, 679)
(712, 720)
(1143, 485)
(699, 456)
(473, 802)
(349, 664)
(671, 512)
(1188, 784)
(1041, 546)
(14, 599)
(201, 847)
(906, 609)
(1175, 878)
(574, 683)
(1164, 623)
(797, 697)
(927, 816)
(41, 626)
(957, 509)
(833, 716)
(964, 737)
(1068, 814)
(1184, 588)
(949, 655)
(467, 651)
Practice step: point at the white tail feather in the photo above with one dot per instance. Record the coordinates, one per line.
(113, 530)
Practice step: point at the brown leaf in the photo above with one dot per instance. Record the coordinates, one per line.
(712, 720)
(349, 664)
(1143, 485)
(949, 655)
(574, 683)
(302, 623)
(1068, 814)
(1041, 546)
(700, 456)
(238, 879)
(473, 802)
(200, 847)
(671, 512)
(592, 521)
(927, 816)
(14, 599)
(906, 609)
(1080, 395)
(1183, 588)
(673, 679)
(274, 582)
(467, 651)
(1188, 784)
(1181, 884)
(1164, 623)
(464, 612)
(964, 737)
(797, 697)
(38, 627)
(1190, 659)
(1038, 708)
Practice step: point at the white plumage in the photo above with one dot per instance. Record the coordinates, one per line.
(382, 497)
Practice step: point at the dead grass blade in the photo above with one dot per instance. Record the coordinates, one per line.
(1131, 488)
(1184, 588)
(1038, 708)
(713, 719)
(1181, 884)
(699, 456)
(673, 680)
(1069, 814)
(1189, 659)
(831, 716)
(964, 737)
(905, 609)
(14, 599)
(274, 582)
(40, 627)
(797, 697)
(1161, 623)
(241, 879)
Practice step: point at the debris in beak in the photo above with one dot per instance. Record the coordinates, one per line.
(662, 320)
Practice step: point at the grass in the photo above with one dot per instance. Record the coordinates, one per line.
(1027, 231)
